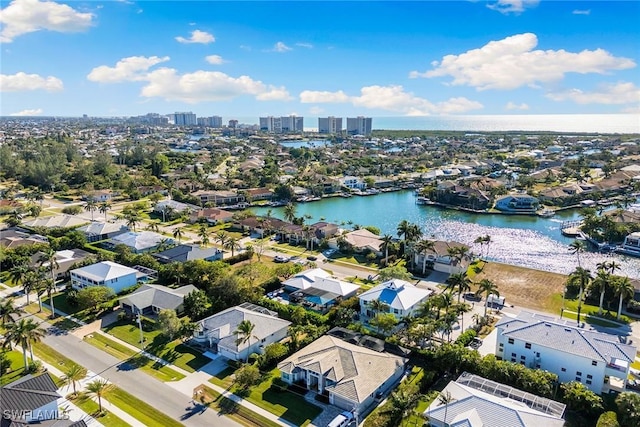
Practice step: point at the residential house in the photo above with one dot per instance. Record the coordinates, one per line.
(402, 298)
(11, 238)
(97, 230)
(170, 208)
(218, 332)
(477, 401)
(318, 290)
(56, 221)
(151, 299)
(361, 240)
(352, 183)
(182, 253)
(254, 194)
(439, 259)
(100, 196)
(65, 259)
(139, 241)
(211, 215)
(32, 400)
(106, 273)
(324, 230)
(518, 204)
(350, 368)
(598, 360)
(461, 194)
(219, 198)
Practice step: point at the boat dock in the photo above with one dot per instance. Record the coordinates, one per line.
(571, 228)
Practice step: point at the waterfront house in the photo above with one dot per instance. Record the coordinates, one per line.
(361, 240)
(106, 273)
(439, 259)
(402, 298)
(477, 401)
(598, 360)
(350, 368)
(353, 183)
(262, 193)
(218, 332)
(211, 215)
(151, 299)
(97, 230)
(140, 241)
(518, 204)
(183, 253)
(324, 230)
(219, 198)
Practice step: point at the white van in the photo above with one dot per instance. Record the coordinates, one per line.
(342, 420)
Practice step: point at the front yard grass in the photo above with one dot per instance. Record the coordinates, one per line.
(284, 404)
(223, 378)
(228, 407)
(143, 412)
(52, 357)
(174, 352)
(90, 407)
(16, 368)
(132, 358)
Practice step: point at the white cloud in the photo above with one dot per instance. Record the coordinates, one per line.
(133, 68)
(582, 12)
(28, 16)
(21, 82)
(316, 110)
(392, 98)
(28, 113)
(512, 62)
(214, 59)
(305, 45)
(281, 47)
(512, 6)
(197, 36)
(202, 86)
(608, 94)
(513, 106)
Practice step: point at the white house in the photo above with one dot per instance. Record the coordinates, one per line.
(140, 241)
(598, 360)
(402, 298)
(353, 183)
(477, 401)
(318, 278)
(439, 259)
(106, 273)
(218, 331)
(350, 372)
(97, 230)
(520, 203)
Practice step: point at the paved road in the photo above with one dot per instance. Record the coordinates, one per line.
(157, 394)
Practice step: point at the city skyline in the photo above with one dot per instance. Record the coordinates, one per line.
(319, 59)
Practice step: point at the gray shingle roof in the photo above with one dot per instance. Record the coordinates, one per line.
(28, 393)
(182, 253)
(157, 296)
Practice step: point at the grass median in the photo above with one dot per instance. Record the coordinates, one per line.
(90, 407)
(143, 412)
(211, 398)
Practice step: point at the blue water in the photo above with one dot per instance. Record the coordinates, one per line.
(529, 241)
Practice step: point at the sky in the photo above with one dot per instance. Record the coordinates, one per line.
(312, 58)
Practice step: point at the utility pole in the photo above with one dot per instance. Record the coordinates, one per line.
(139, 319)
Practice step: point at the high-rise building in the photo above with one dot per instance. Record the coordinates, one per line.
(330, 125)
(212, 122)
(233, 123)
(359, 125)
(283, 124)
(184, 119)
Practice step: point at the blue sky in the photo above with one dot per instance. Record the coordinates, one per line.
(117, 58)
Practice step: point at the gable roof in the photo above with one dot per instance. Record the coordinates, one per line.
(62, 221)
(28, 393)
(105, 270)
(98, 228)
(157, 296)
(140, 240)
(561, 335)
(357, 371)
(182, 253)
(397, 294)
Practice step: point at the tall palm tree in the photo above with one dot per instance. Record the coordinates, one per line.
(49, 286)
(387, 240)
(583, 276)
(8, 310)
(104, 208)
(244, 333)
(153, 226)
(444, 399)
(378, 306)
(222, 237)
(232, 244)
(424, 246)
(577, 247)
(99, 388)
(203, 233)
(91, 206)
(600, 284)
(48, 259)
(22, 333)
(487, 287)
(290, 212)
(18, 274)
(178, 233)
(459, 282)
(73, 375)
(624, 290)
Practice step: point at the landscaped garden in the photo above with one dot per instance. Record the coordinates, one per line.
(16, 367)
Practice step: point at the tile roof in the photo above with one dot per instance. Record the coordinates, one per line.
(396, 294)
(357, 371)
(105, 270)
(98, 228)
(56, 221)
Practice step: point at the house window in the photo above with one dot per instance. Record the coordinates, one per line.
(538, 366)
(594, 363)
(578, 373)
(537, 354)
(527, 345)
(588, 382)
(589, 376)
(285, 377)
(513, 360)
(513, 355)
(563, 369)
(395, 310)
(579, 379)
(501, 345)
(523, 357)
(263, 340)
(511, 341)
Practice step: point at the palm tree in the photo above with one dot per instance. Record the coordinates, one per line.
(30, 284)
(577, 247)
(623, 289)
(153, 226)
(459, 282)
(8, 310)
(49, 257)
(244, 333)
(387, 239)
(222, 237)
(290, 212)
(178, 233)
(98, 388)
(91, 206)
(18, 274)
(73, 375)
(104, 208)
(444, 399)
(583, 276)
(600, 284)
(378, 306)
(203, 233)
(232, 244)
(23, 333)
(424, 246)
(487, 287)
(480, 241)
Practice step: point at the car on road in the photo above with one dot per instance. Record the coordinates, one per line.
(312, 258)
(329, 252)
(279, 258)
(470, 296)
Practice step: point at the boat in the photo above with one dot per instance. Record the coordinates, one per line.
(631, 245)
(422, 200)
(546, 213)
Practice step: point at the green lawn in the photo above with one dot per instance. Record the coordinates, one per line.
(174, 352)
(143, 412)
(16, 369)
(92, 408)
(52, 357)
(5, 278)
(239, 413)
(135, 360)
(223, 378)
(283, 404)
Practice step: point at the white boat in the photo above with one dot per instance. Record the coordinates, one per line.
(547, 213)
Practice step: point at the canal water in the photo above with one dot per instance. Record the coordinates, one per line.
(529, 241)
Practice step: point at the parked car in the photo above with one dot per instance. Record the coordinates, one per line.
(342, 420)
(633, 384)
(279, 258)
(312, 258)
(329, 252)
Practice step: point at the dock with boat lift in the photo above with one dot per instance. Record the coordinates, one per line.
(571, 228)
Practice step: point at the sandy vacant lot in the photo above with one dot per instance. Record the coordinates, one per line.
(524, 287)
